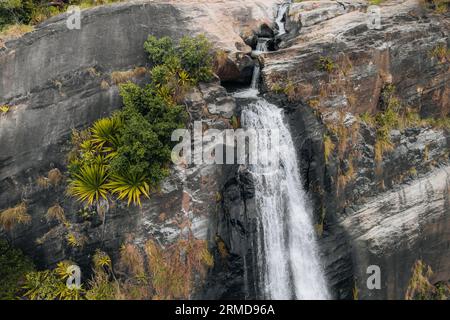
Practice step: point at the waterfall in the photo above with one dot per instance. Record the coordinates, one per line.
(280, 15)
(289, 268)
(288, 263)
(261, 47)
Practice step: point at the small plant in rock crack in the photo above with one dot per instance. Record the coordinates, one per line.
(325, 64)
(4, 109)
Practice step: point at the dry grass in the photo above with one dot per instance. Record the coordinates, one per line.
(381, 147)
(104, 85)
(328, 147)
(12, 217)
(441, 53)
(419, 286)
(55, 176)
(175, 269)
(131, 260)
(220, 61)
(118, 77)
(55, 212)
(42, 182)
(14, 31)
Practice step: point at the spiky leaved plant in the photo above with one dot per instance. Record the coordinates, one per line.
(130, 186)
(105, 133)
(90, 184)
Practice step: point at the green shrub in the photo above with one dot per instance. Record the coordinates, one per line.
(196, 57)
(129, 153)
(193, 55)
(13, 267)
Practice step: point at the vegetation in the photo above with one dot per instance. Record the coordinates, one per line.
(128, 154)
(54, 176)
(420, 287)
(118, 77)
(437, 6)
(326, 64)
(51, 284)
(13, 267)
(55, 212)
(395, 116)
(24, 13)
(12, 217)
(328, 147)
(155, 273)
(441, 53)
(4, 109)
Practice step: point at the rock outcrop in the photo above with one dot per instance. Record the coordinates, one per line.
(55, 79)
(330, 68)
(389, 207)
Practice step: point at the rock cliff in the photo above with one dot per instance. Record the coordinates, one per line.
(389, 207)
(329, 69)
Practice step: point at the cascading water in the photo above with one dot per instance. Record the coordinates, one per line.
(288, 263)
(261, 46)
(280, 16)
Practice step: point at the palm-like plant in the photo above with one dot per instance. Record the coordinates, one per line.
(89, 184)
(129, 185)
(105, 133)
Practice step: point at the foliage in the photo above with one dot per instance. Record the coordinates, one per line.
(128, 154)
(420, 287)
(174, 269)
(190, 61)
(160, 273)
(438, 6)
(441, 53)
(129, 185)
(12, 217)
(13, 267)
(159, 50)
(326, 64)
(104, 133)
(51, 285)
(75, 240)
(24, 12)
(123, 76)
(90, 183)
(196, 58)
(4, 109)
(101, 260)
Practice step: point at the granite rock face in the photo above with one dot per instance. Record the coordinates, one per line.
(56, 79)
(387, 213)
(390, 211)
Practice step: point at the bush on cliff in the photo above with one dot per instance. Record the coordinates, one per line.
(128, 154)
(13, 267)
